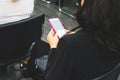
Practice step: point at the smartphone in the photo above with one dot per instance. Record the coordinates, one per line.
(57, 26)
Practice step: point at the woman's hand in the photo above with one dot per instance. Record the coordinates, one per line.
(52, 39)
(69, 32)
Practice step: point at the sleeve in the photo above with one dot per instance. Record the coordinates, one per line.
(59, 66)
(50, 57)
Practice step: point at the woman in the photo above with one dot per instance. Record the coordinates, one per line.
(92, 51)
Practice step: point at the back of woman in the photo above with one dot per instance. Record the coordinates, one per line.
(92, 51)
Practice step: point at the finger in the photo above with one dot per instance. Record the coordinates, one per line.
(69, 32)
(55, 35)
(52, 32)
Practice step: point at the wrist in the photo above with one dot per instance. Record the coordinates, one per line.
(53, 47)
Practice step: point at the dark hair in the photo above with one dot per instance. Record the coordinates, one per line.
(103, 17)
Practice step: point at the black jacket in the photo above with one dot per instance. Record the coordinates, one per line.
(79, 57)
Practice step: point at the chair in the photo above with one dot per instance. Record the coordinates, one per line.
(66, 6)
(17, 38)
(114, 74)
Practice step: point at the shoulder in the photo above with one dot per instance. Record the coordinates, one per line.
(76, 42)
(78, 37)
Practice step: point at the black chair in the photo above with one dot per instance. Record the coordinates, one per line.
(17, 38)
(114, 74)
(68, 7)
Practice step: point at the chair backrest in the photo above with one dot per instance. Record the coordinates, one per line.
(17, 37)
(111, 75)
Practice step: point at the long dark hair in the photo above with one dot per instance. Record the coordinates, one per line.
(103, 17)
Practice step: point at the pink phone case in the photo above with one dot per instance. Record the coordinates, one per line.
(60, 26)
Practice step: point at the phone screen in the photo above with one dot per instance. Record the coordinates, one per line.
(57, 26)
